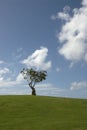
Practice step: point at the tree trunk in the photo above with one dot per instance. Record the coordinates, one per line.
(33, 89)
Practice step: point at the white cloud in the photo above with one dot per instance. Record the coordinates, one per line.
(5, 83)
(19, 78)
(78, 85)
(1, 78)
(41, 89)
(1, 62)
(8, 82)
(73, 34)
(38, 59)
(62, 15)
(84, 2)
(48, 89)
(4, 71)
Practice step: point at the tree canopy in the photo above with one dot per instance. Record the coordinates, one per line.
(33, 77)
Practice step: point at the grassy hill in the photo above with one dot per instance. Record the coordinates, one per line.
(42, 113)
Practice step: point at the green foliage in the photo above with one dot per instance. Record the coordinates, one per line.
(42, 113)
(33, 77)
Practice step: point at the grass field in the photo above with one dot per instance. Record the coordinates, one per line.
(42, 113)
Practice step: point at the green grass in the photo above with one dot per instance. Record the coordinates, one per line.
(42, 113)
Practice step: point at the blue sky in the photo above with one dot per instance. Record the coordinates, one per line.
(46, 35)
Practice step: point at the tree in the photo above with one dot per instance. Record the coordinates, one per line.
(33, 77)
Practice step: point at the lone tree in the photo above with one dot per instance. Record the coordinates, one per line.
(33, 77)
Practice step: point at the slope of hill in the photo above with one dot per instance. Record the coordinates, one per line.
(42, 113)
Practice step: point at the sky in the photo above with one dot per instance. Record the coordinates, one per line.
(46, 35)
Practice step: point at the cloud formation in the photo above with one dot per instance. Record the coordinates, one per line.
(73, 34)
(84, 2)
(8, 82)
(19, 78)
(78, 85)
(50, 90)
(3, 72)
(1, 62)
(62, 15)
(38, 59)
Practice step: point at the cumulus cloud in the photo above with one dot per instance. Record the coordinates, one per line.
(84, 2)
(62, 15)
(73, 34)
(78, 85)
(38, 59)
